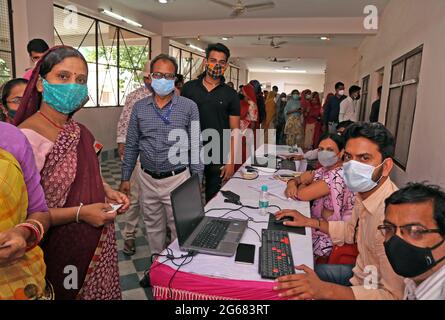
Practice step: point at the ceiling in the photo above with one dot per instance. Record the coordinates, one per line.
(187, 10)
(254, 41)
(311, 66)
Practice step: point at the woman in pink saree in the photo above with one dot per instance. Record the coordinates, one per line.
(80, 248)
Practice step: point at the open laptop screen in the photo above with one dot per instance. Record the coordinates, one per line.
(187, 207)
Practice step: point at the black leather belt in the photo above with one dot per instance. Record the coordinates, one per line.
(163, 175)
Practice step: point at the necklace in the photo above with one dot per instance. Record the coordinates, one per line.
(50, 121)
(210, 83)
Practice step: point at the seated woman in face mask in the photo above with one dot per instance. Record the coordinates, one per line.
(326, 187)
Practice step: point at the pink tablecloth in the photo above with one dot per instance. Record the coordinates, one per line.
(187, 286)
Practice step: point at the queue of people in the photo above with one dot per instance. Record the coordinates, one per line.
(56, 209)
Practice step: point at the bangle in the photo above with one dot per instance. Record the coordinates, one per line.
(40, 225)
(34, 230)
(78, 212)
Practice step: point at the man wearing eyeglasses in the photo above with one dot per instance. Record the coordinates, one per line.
(414, 231)
(219, 109)
(152, 134)
(368, 164)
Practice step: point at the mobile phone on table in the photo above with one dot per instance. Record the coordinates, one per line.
(245, 253)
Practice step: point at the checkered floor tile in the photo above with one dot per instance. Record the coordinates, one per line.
(132, 268)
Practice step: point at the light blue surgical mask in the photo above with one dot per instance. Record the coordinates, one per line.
(65, 98)
(163, 87)
(358, 176)
(327, 158)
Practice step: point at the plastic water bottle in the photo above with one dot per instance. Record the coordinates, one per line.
(264, 201)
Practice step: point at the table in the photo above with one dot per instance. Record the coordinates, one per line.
(210, 277)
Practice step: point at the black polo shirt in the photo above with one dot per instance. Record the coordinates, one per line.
(215, 107)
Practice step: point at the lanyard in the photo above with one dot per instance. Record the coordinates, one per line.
(165, 118)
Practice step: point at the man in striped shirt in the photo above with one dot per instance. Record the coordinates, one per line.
(155, 124)
(414, 230)
(131, 218)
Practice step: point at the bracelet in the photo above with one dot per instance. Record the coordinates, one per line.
(34, 230)
(40, 225)
(78, 212)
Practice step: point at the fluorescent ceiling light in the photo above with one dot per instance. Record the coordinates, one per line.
(121, 18)
(324, 38)
(196, 48)
(225, 38)
(162, 1)
(290, 71)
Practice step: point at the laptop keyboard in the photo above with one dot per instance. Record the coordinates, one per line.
(211, 235)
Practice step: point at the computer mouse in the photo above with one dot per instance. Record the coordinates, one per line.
(283, 220)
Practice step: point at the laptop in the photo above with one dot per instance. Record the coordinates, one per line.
(197, 232)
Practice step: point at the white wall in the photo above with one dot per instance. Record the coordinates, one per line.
(405, 25)
(27, 26)
(285, 81)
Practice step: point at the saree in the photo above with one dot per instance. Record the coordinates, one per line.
(71, 176)
(25, 278)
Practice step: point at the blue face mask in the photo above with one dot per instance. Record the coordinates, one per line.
(65, 98)
(163, 87)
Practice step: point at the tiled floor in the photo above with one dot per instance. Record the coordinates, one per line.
(131, 269)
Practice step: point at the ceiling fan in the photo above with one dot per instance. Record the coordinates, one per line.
(276, 60)
(239, 8)
(273, 44)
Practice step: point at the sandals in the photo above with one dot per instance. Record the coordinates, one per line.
(129, 247)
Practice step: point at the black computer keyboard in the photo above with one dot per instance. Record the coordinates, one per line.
(211, 235)
(275, 255)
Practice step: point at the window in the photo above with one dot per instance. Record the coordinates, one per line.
(402, 102)
(115, 56)
(364, 112)
(7, 65)
(191, 65)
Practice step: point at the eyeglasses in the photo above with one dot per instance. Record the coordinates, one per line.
(415, 232)
(16, 100)
(160, 75)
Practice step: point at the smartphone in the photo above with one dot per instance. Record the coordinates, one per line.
(245, 253)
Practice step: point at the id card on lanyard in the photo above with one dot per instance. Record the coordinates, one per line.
(166, 117)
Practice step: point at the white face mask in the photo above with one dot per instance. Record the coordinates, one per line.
(327, 158)
(341, 92)
(358, 176)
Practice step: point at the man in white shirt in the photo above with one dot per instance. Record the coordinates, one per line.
(414, 230)
(349, 108)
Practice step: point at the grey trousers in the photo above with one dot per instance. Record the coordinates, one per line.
(131, 217)
(156, 207)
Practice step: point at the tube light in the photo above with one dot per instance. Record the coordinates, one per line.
(121, 18)
(196, 48)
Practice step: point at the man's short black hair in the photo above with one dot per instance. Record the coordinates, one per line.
(219, 47)
(344, 124)
(376, 132)
(275, 88)
(338, 85)
(37, 45)
(179, 79)
(353, 89)
(419, 193)
(164, 57)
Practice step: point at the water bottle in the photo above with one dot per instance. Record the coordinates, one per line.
(264, 201)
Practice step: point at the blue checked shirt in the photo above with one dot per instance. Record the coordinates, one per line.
(160, 148)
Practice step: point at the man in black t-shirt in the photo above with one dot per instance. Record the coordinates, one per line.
(375, 109)
(219, 109)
